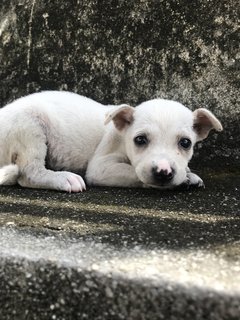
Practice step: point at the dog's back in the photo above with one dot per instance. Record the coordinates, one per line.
(73, 125)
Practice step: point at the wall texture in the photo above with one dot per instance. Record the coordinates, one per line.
(129, 51)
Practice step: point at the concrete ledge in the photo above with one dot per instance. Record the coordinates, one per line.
(91, 281)
(121, 254)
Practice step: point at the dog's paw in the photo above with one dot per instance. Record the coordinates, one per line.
(194, 180)
(70, 182)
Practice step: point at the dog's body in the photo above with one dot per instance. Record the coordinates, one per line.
(149, 145)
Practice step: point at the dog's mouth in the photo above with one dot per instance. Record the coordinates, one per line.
(162, 187)
(172, 183)
(160, 179)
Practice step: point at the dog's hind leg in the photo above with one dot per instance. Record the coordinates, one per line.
(9, 175)
(35, 175)
(32, 172)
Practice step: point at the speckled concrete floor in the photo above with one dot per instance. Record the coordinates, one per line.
(121, 253)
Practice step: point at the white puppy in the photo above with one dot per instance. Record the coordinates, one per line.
(47, 139)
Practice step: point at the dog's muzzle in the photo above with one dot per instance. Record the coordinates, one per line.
(163, 177)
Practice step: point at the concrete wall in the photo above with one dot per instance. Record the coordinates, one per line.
(129, 51)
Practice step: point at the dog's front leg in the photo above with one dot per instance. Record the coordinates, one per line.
(112, 170)
(194, 180)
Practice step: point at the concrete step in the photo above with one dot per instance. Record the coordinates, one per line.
(121, 253)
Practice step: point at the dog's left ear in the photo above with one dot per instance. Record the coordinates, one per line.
(204, 121)
(122, 116)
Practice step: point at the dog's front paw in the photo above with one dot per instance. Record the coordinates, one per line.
(194, 180)
(70, 182)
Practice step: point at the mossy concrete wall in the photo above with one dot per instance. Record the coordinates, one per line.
(129, 51)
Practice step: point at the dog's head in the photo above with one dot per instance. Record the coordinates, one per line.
(159, 137)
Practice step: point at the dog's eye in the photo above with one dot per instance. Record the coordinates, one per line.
(141, 140)
(185, 143)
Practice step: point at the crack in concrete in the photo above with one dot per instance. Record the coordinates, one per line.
(30, 34)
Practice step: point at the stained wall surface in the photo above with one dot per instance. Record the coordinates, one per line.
(129, 51)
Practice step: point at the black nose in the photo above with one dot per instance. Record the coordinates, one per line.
(163, 176)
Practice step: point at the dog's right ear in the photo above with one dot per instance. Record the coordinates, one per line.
(121, 117)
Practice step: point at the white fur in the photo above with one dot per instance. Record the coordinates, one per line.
(9, 174)
(48, 138)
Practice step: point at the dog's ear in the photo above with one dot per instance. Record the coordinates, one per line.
(204, 121)
(122, 116)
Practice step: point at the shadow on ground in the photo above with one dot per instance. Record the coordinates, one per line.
(130, 217)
